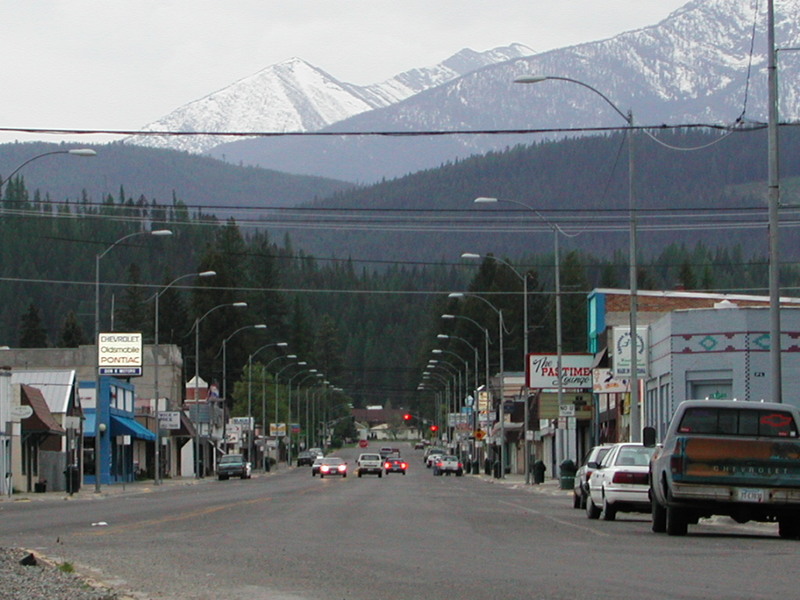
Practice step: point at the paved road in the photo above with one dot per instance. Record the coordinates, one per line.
(290, 536)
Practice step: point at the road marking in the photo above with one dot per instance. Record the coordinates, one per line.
(556, 520)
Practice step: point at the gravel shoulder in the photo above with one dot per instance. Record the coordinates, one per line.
(44, 580)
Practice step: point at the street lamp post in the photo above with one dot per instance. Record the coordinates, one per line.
(157, 352)
(486, 365)
(225, 387)
(98, 464)
(263, 384)
(635, 434)
(501, 411)
(197, 380)
(773, 200)
(86, 152)
(301, 363)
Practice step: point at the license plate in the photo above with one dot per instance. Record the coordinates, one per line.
(750, 495)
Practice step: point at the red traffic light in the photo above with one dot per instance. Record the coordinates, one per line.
(434, 428)
(407, 417)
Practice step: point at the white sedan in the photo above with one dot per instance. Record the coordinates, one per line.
(621, 484)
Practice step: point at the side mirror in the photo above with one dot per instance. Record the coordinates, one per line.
(649, 437)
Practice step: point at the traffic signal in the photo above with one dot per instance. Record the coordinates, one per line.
(407, 417)
(434, 428)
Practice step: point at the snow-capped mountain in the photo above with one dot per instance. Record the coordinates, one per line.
(695, 66)
(296, 96)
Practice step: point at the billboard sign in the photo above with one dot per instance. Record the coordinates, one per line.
(119, 354)
(622, 351)
(541, 371)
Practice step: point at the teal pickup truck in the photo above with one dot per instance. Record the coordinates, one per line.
(724, 457)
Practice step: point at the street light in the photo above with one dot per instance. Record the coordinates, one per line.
(98, 464)
(635, 434)
(197, 379)
(72, 152)
(486, 365)
(559, 328)
(773, 200)
(501, 411)
(225, 384)
(157, 351)
(289, 410)
(263, 371)
(301, 363)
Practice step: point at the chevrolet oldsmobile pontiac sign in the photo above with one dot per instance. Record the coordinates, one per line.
(119, 354)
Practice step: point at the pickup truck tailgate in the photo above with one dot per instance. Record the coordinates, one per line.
(736, 462)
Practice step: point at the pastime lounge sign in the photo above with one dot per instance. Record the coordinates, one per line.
(541, 371)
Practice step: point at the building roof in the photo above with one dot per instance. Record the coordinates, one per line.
(41, 421)
(56, 386)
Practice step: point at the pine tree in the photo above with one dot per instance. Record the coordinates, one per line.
(32, 333)
(71, 335)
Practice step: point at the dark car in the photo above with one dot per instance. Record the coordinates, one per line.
(233, 465)
(395, 465)
(305, 458)
(590, 462)
(332, 465)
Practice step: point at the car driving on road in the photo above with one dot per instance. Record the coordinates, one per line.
(395, 465)
(447, 464)
(233, 465)
(332, 465)
(369, 463)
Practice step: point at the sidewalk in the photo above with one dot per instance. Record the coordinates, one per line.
(145, 486)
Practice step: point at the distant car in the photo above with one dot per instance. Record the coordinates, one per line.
(386, 452)
(445, 464)
(233, 465)
(332, 465)
(315, 465)
(592, 460)
(395, 465)
(316, 451)
(369, 463)
(621, 483)
(419, 446)
(305, 458)
(433, 457)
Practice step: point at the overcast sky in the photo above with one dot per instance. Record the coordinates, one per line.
(121, 64)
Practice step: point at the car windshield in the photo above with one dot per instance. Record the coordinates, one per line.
(231, 458)
(332, 461)
(370, 457)
(449, 458)
(634, 456)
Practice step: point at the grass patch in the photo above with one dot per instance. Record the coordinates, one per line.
(66, 567)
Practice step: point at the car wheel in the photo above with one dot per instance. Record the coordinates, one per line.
(789, 528)
(576, 500)
(592, 510)
(459, 473)
(659, 514)
(344, 474)
(359, 473)
(321, 476)
(676, 522)
(609, 510)
(380, 475)
(404, 472)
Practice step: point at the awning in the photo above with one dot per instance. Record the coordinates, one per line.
(127, 426)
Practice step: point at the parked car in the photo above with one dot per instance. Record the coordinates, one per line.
(316, 464)
(621, 482)
(305, 458)
(590, 462)
(395, 465)
(369, 464)
(447, 464)
(233, 465)
(332, 465)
